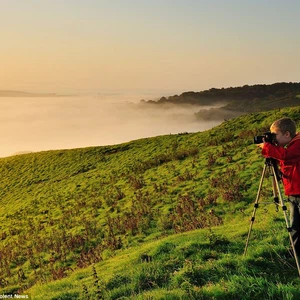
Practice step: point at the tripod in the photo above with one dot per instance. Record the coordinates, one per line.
(271, 164)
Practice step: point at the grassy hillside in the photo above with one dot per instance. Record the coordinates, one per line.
(156, 218)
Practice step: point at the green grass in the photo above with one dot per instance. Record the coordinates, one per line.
(201, 264)
(156, 218)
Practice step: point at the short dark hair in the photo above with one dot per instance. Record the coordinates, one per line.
(284, 125)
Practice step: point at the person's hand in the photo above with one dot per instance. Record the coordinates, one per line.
(260, 145)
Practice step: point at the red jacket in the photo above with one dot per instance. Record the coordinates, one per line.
(289, 161)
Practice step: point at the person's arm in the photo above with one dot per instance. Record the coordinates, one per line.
(289, 154)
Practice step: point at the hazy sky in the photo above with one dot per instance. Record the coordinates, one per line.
(165, 46)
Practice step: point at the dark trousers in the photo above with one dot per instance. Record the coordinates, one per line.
(295, 222)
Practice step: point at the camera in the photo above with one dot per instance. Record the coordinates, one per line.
(267, 136)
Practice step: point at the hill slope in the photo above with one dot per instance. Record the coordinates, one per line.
(61, 211)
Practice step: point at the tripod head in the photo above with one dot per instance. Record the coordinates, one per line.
(272, 162)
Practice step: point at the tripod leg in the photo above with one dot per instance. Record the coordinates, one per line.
(284, 209)
(255, 207)
(275, 194)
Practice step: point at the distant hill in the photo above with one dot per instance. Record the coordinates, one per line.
(8, 93)
(234, 101)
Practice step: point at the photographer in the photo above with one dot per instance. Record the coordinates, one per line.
(286, 150)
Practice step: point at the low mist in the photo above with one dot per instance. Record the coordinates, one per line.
(31, 124)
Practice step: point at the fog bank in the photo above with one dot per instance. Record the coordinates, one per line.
(36, 124)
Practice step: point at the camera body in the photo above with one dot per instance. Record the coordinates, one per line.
(267, 136)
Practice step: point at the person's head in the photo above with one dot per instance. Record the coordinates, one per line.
(285, 130)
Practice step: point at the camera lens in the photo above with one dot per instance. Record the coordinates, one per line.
(258, 139)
